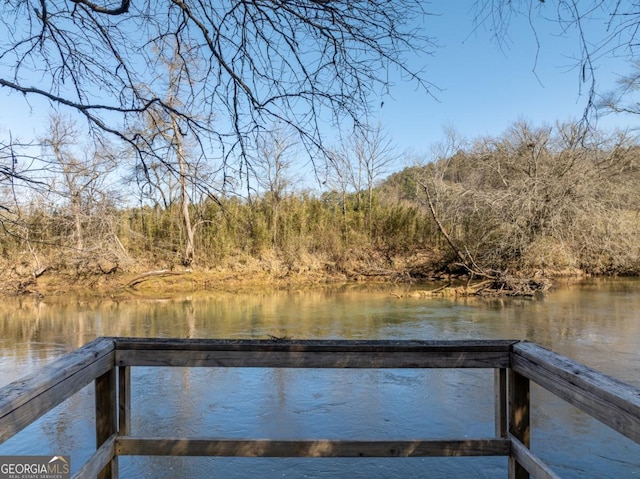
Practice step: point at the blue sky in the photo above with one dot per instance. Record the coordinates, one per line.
(483, 86)
(487, 86)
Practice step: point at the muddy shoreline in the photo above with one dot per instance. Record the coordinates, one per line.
(169, 281)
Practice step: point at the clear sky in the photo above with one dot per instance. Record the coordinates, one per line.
(483, 86)
(486, 86)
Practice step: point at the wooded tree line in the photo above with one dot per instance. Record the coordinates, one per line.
(84, 210)
(195, 111)
(546, 199)
(537, 200)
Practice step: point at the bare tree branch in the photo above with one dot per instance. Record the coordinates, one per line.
(603, 28)
(303, 64)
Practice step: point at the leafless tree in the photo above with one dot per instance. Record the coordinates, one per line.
(362, 159)
(78, 185)
(376, 154)
(16, 162)
(298, 62)
(164, 131)
(22, 179)
(275, 150)
(341, 178)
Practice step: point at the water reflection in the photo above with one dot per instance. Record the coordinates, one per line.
(597, 323)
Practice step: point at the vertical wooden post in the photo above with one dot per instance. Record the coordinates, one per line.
(106, 414)
(500, 379)
(124, 400)
(519, 422)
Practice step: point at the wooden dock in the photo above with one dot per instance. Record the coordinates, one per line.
(108, 361)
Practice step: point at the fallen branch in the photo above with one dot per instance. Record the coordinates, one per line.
(154, 274)
(505, 286)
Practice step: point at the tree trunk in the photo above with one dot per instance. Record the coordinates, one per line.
(184, 197)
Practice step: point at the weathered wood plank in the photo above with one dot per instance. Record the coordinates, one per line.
(24, 401)
(313, 345)
(532, 463)
(106, 417)
(311, 448)
(313, 359)
(124, 400)
(607, 399)
(98, 460)
(519, 419)
(25, 389)
(500, 402)
(313, 353)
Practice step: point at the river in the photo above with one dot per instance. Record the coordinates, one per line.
(596, 322)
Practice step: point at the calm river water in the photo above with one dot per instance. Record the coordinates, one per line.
(597, 323)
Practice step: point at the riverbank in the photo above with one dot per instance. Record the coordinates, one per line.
(243, 274)
(151, 281)
(249, 274)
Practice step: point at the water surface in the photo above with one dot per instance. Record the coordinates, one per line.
(597, 323)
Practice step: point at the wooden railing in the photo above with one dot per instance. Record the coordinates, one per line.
(108, 361)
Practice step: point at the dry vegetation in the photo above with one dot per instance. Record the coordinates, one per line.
(505, 213)
(189, 162)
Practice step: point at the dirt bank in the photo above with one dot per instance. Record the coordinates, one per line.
(246, 273)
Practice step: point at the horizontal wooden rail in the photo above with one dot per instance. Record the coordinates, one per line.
(108, 362)
(25, 400)
(503, 345)
(607, 399)
(311, 448)
(314, 354)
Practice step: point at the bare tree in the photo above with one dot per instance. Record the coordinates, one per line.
(75, 174)
(375, 153)
(167, 130)
(11, 168)
(360, 161)
(301, 63)
(340, 177)
(79, 178)
(274, 160)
